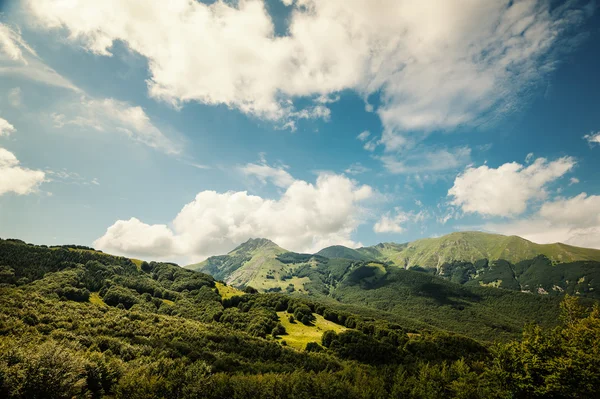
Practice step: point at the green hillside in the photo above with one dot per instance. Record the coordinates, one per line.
(398, 282)
(419, 298)
(339, 251)
(472, 258)
(77, 323)
(473, 246)
(256, 263)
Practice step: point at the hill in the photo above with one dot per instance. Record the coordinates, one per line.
(470, 258)
(76, 322)
(259, 263)
(339, 251)
(472, 246)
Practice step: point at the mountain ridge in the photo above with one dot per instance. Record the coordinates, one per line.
(472, 246)
(473, 258)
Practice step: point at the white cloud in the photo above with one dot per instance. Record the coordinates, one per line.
(18, 59)
(6, 128)
(364, 135)
(315, 112)
(306, 217)
(573, 180)
(110, 114)
(389, 224)
(135, 238)
(356, 169)
(15, 97)
(427, 160)
(592, 138)
(16, 179)
(395, 222)
(434, 66)
(580, 211)
(264, 172)
(327, 99)
(574, 221)
(198, 165)
(508, 189)
(372, 144)
(529, 157)
(65, 176)
(12, 45)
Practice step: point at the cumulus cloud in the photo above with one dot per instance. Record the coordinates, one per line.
(508, 189)
(306, 217)
(395, 222)
(433, 66)
(592, 138)
(427, 160)
(6, 128)
(574, 221)
(16, 179)
(278, 175)
(110, 114)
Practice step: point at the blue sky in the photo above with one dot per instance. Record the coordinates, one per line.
(179, 131)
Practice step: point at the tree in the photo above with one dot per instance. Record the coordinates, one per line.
(313, 347)
(250, 290)
(328, 337)
(278, 330)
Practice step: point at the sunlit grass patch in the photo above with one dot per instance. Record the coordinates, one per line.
(227, 291)
(298, 334)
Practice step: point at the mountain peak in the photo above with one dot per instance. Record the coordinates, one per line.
(253, 244)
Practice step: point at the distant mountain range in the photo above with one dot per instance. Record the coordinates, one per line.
(468, 258)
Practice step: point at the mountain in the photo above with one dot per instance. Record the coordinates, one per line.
(468, 258)
(339, 251)
(372, 290)
(254, 263)
(422, 299)
(509, 262)
(472, 246)
(76, 322)
(450, 282)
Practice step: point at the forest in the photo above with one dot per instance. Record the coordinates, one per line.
(78, 323)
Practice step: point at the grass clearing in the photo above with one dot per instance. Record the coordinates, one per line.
(168, 302)
(227, 291)
(298, 335)
(138, 263)
(96, 299)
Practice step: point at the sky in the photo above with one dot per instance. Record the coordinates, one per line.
(178, 130)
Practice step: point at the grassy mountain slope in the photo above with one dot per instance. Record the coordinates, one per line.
(473, 246)
(456, 290)
(480, 312)
(255, 263)
(339, 251)
(473, 258)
